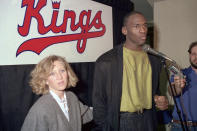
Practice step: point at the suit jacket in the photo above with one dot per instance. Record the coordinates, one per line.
(107, 89)
(46, 115)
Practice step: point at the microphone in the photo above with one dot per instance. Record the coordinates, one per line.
(147, 48)
(176, 71)
(173, 67)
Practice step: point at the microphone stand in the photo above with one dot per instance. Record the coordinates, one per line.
(173, 95)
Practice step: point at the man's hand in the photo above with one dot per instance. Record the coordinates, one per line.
(179, 82)
(161, 102)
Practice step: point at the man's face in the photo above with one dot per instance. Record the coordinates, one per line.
(135, 29)
(193, 57)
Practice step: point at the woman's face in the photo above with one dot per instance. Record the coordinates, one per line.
(58, 78)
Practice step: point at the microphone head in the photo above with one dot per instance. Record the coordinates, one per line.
(146, 47)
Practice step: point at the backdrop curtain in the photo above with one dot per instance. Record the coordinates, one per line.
(16, 97)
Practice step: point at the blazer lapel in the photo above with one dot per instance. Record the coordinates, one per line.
(60, 112)
(72, 114)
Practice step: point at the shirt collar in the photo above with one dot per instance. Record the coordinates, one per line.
(56, 97)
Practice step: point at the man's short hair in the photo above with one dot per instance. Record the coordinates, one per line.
(125, 19)
(191, 46)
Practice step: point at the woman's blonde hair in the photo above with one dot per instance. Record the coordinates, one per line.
(41, 72)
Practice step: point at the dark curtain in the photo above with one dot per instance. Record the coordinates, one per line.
(16, 96)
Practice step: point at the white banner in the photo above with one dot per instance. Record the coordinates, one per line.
(79, 30)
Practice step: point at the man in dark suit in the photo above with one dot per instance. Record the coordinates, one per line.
(126, 82)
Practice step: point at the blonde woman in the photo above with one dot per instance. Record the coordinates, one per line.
(57, 109)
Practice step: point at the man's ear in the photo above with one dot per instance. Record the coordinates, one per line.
(124, 30)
